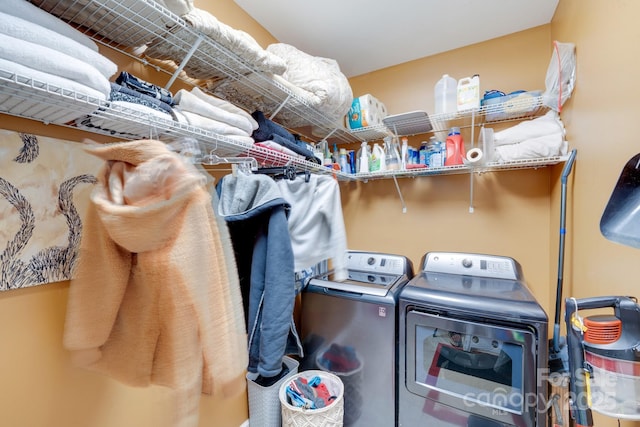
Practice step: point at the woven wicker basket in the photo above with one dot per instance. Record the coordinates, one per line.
(329, 416)
(264, 403)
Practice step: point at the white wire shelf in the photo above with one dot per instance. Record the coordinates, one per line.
(131, 24)
(29, 98)
(25, 97)
(125, 26)
(460, 169)
(515, 109)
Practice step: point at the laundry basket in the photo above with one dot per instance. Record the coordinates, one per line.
(348, 365)
(329, 416)
(264, 404)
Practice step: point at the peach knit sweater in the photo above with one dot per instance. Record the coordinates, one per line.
(155, 299)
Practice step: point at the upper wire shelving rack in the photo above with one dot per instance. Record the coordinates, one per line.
(130, 25)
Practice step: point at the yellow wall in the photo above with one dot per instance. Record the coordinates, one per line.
(512, 210)
(516, 213)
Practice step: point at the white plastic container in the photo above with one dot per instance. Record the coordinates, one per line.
(468, 93)
(446, 95)
(378, 161)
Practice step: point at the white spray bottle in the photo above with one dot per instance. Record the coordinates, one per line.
(363, 165)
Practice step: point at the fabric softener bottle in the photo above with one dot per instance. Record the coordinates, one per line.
(455, 148)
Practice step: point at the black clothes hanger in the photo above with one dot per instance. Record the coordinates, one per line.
(284, 172)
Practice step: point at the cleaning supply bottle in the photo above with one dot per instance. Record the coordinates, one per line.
(446, 95)
(455, 148)
(404, 156)
(336, 154)
(469, 93)
(363, 158)
(378, 161)
(423, 154)
(392, 157)
(344, 161)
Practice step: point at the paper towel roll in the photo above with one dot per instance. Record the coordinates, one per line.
(475, 156)
(365, 111)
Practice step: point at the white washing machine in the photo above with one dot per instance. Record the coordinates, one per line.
(349, 328)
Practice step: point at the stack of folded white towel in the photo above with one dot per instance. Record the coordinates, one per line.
(39, 46)
(538, 138)
(216, 115)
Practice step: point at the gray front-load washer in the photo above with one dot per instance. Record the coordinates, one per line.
(349, 328)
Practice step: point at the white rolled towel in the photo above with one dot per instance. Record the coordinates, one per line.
(534, 148)
(548, 124)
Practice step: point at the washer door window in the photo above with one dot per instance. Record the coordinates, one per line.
(474, 367)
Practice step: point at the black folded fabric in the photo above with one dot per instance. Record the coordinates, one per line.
(271, 131)
(122, 93)
(266, 128)
(146, 88)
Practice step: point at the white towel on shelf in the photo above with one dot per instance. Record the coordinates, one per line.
(224, 105)
(549, 124)
(52, 83)
(214, 126)
(534, 148)
(53, 62)
(25, 10)
(24, 30)
(188, 101)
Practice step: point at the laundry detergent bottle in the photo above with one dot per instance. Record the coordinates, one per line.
(455, 148)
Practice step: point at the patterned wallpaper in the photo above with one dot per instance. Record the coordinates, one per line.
(44, 189)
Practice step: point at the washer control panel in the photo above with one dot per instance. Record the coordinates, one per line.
(377, 263)
(471, 264)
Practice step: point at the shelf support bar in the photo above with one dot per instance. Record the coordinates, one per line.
(184, 61)
(282, 104)
(404, 207)
(334, 130)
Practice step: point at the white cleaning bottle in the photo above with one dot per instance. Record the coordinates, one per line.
(378, 162)
(363, 166)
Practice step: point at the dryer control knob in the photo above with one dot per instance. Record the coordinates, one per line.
(467, 263)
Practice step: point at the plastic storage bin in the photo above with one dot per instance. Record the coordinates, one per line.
(499, 106)
(264, 403)
(329, 416)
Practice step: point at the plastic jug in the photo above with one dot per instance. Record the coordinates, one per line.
(468, 93)
(455, 148)
(446, 95)
(378, 160)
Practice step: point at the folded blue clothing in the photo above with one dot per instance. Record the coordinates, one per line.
(267, 128)
(122, 93)
(139, 85)
(271, 131)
